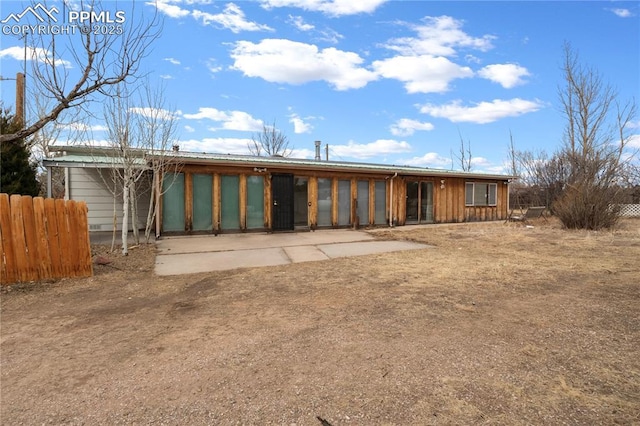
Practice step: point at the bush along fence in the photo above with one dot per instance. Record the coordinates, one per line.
(43, 239)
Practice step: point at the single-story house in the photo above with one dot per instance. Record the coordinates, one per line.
(214, 193)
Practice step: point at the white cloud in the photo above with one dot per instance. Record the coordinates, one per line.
(438, 36)
(329, 35)
(328, 7)
(172, 61)
(299, 126)
(373, 149)
(483, 112)
(38, 54)
(634, 141)
(507, 75)
(82, 127)
(212, 67)
(298, 22)
(303, 153)
(430, 159)
(286, 61)
(622, 13)
(166, 77)
(231, 120)
(189, 129)
(155, 113)
(232, 18)
(216, 145)
(422, 74)
(171, 10)
(407, 127)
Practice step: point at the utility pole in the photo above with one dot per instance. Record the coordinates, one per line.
(20, 95)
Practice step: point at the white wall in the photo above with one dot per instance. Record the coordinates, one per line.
(87, 185)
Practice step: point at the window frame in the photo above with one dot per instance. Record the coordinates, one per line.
(491, 192)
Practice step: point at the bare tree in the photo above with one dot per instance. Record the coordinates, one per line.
(102, 61)
(594, 153)
(464, 155)
(156, 126)
(269, 142)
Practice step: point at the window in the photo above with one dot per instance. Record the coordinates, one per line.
(480, 194)
(230, 202)
(363, 202)
(344, 202)
(255, 202)
(324, 202)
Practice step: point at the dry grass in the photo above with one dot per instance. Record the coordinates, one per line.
(498, 324)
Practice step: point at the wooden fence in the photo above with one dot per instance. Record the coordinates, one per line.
(43, 239)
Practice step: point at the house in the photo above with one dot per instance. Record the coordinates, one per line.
(213, 193)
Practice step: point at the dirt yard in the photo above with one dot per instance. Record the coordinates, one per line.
(498, 324)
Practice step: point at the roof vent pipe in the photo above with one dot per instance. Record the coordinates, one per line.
(318, 151)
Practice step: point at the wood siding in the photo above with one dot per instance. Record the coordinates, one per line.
(448, 196)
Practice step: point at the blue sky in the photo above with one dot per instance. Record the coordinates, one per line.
(394, 82)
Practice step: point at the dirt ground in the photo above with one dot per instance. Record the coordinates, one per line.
(498, 324)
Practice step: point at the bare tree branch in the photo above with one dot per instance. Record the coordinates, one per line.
(102, 61)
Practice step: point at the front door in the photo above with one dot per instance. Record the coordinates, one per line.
(282, 198)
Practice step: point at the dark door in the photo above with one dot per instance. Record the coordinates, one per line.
(282, 199)
(412, 202)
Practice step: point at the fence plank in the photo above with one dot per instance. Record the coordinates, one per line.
(86, 265)
(31, 239)
(72, 213)
(63, 236)
(42, 239)
(44, 258)
(19, 242)
(9, 270)
(57, 270)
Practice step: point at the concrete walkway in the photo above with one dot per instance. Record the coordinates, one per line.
(193, 254)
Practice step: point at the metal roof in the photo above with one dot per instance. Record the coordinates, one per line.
(300, 163)
(75, 156)
(92, 157)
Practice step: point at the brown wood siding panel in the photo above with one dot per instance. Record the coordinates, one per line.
(242, 205)
(188, 201)
(216, 202)
(354, 202)
(313, 200)
(267, 202)
(400, 201)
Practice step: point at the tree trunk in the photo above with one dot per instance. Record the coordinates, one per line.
(133, 200)
(152, 209)
(125, 212)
